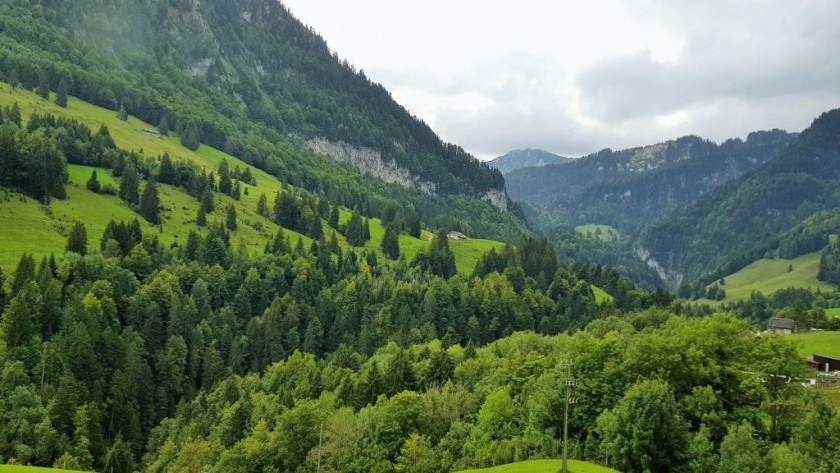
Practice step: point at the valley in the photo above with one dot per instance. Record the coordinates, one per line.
(225, 248)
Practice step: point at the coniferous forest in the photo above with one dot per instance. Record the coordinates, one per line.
(412, 321)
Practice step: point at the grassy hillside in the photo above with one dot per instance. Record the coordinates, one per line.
(607, 233)
(544, 466)
(32, 469)
(34, 228)
(818, 343)
(770, 275)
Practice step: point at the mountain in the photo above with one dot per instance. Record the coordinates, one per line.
(682, 160)
(252, 80)
(752, 216)
(522, 158)
(631, 188)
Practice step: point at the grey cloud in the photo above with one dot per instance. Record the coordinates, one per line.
(741, 59)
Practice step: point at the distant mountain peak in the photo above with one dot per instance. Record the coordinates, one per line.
(528, 157)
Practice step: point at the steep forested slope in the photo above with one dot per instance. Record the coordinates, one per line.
(248, 78)
(633, 187)
(742, 220)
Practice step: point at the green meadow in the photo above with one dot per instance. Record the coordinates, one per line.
(817, 343)
(28, 226)
(604, 232)
(770, 275)
(544, 466)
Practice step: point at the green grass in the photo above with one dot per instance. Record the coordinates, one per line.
(468, 252)
(601, 296)
(544, 466)
(834, 312)
(608, 233)
(770, 275)
(27, 226)
(830, 394)
(817, 343)
(32, 469)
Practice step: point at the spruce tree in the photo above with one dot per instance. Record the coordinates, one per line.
(391, 242)
(163, 126)
(77, 240)
(14, 79)
(262, 205)
(190, 138)
(167, 173)
(207, 201)
(201, 219)
(93, 183)
(130, 184)
(14, 114)
(150, 203)
(230, 221)
(225, 184)
(43, 84)
(122, 114)
(61, 94)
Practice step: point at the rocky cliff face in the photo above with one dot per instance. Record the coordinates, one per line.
(369, 161)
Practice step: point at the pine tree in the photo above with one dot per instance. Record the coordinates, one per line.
(236, 191)
(122, 114)
(130, 184)
(163, 126)
(14, 114)
(150, 203)
(190, 138)
(391, 242)
(167, 173)
(43, 84)
(201, 219)
(225, 184)
(207, 201)
(230, 221)
(61, 94)
(14, 79)
(262, 205)
(77, 240)
(93, 183)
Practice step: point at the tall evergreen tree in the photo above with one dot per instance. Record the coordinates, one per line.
(130, 184)
(77, 240)
(122, 113)
(201, 218)
(225, 184)
(61, 94)
(163, 125)
(207, 202)
(190, 138)
(14, 79)
(93, 183)
(262, 205)
(43, 84)
(150, 203)
(166, 174)
(391, 242)
(230, 220)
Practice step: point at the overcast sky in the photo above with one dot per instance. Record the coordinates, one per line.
(573, 77)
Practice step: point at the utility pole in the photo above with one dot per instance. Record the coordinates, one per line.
(570, 383)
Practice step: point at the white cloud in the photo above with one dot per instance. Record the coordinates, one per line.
(575, 77)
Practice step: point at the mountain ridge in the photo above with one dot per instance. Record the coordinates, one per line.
(528, 157)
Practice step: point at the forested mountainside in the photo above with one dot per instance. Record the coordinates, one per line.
(522, 158)
(246, 77)
(746, 218)
(633, 187)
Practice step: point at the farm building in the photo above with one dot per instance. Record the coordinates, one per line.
(781, 326)
(457, 236)
(824, 363)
